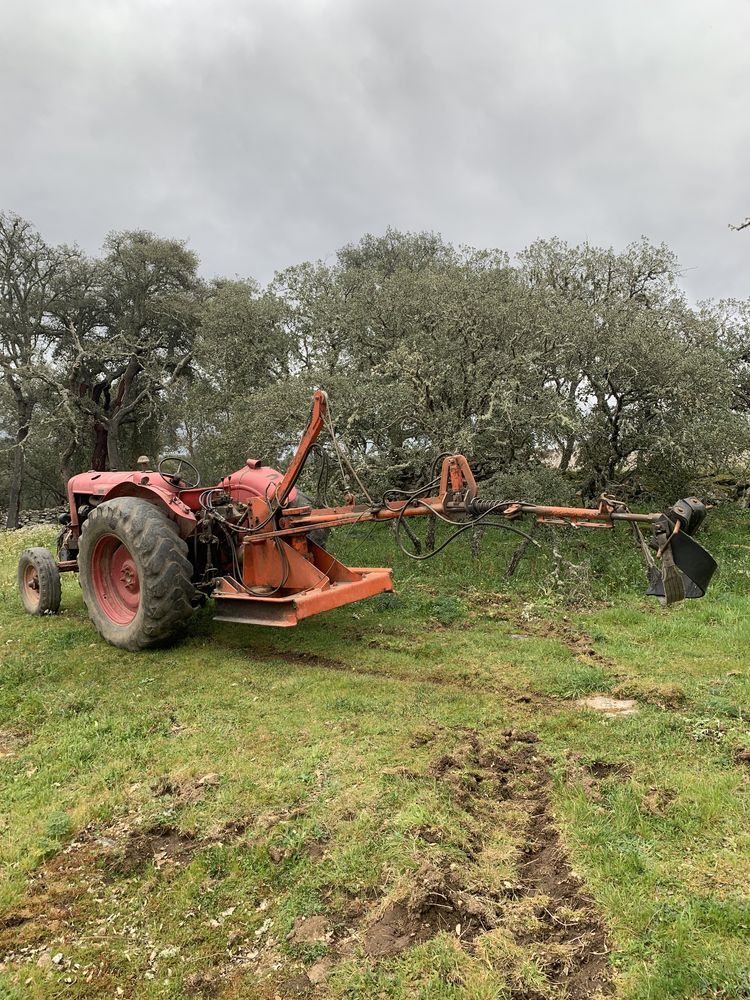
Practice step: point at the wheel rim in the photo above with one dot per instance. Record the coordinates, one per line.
(114, 576)
(31, 584)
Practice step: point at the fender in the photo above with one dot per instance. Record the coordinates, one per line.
(88, 486)
(169, 501)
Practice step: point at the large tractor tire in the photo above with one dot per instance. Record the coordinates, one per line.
(135, 574)
(39, 581)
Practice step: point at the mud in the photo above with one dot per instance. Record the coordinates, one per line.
(546, 908)
(398, 929)
(161, 846)
(437, 902)
(569, 939)
(567, 936)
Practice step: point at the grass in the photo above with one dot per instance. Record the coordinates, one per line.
(169, 818)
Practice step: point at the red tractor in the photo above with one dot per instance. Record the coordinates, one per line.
(150, 546)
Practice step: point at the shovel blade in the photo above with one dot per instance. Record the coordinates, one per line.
(696, 567)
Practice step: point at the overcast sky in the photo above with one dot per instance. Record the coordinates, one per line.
(267, 133)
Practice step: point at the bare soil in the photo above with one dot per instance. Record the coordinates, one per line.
(501, 784)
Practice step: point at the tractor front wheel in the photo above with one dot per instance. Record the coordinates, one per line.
(39, 581)
(135, 574)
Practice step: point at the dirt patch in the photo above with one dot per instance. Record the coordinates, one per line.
(438, 902)
(310, 930)
(569, 939)
(545, 909)
(162, 846)
(396, 930)
(316, 849)
(11, 741)
(58, 901)
(203, 984)
(424, 737)
(657, 800)
(184, 790)
(429, 834)
(567, 936)
(608, 769)
(589, 775)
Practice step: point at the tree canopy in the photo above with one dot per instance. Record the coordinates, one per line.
(569, 368)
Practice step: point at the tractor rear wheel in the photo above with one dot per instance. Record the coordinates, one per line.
(135, 574)
(39, 581)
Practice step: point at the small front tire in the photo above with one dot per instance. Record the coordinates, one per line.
(39, 581)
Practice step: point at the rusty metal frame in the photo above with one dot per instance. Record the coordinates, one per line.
(276, 574)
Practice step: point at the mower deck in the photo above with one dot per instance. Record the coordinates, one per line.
(285, 610)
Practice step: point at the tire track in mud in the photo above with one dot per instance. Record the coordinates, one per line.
(544, 910)
(543, 915)
(441, 680)
(547, 911)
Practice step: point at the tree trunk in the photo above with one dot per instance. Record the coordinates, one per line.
(567, 454)
(99, 457)
(25, 409)
(113, 444)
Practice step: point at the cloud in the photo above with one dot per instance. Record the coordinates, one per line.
(272, 132)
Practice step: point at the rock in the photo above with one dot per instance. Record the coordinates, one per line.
(612, 707)
(28, 518)
(45, 960)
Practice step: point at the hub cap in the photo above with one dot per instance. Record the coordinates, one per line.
(115, 580)
(31, 584)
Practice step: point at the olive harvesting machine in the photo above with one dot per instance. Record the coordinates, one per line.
(150, 546)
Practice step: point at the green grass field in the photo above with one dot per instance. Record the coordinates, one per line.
(399, 799)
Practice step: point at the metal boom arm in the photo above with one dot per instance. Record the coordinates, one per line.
(287, 577)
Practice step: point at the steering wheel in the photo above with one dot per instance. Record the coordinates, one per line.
(175, 476)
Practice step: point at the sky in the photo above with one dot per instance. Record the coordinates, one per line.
(268, 132)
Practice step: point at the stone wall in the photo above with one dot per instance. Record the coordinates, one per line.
(32, 517)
